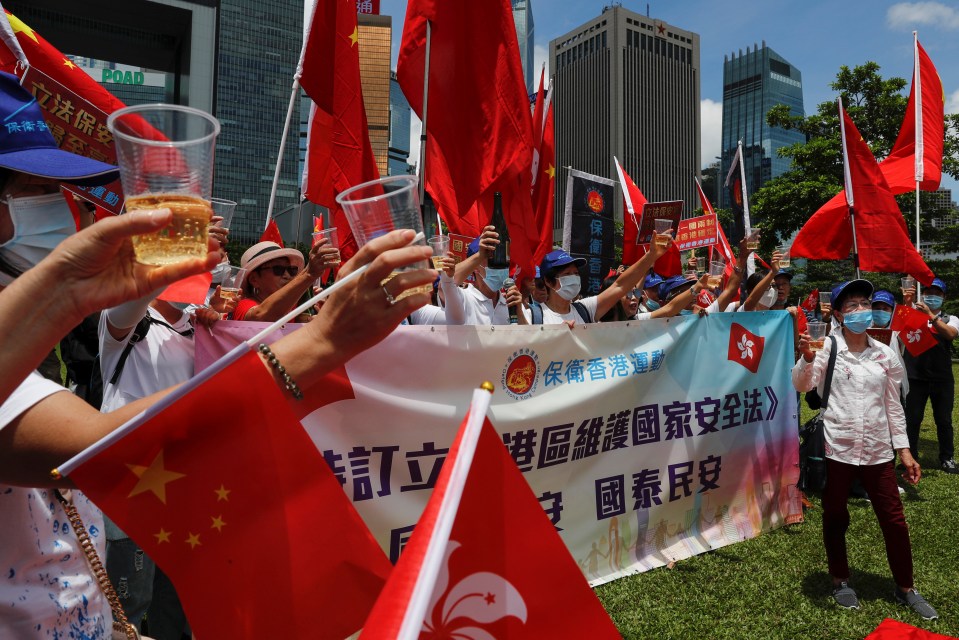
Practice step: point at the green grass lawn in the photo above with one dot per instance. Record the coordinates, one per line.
(777, 585)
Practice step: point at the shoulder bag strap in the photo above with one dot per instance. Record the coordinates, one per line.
(829, 370)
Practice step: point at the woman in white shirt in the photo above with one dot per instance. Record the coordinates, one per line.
(865, 427)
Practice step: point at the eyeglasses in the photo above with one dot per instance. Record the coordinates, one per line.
(635, 293)
(279, 270)
(852, 305)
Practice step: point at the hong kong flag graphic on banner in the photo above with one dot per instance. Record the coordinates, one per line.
(745, 347)
(484, 560)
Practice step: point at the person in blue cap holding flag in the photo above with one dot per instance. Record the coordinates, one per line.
(931, 379)
(864, 428)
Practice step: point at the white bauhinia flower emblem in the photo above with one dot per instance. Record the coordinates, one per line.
(476, 600)
(914, 336)
(745, 348)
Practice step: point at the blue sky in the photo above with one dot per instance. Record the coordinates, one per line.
(817, 36)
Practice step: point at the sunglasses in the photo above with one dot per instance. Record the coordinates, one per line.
(279, 270)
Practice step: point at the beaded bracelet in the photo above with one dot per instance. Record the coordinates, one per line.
(288, 382)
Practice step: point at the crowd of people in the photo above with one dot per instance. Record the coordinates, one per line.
(144, 348)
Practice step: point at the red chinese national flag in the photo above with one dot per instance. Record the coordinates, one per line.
(484, 560)
(913, 328)
(883, 241)
(227, 493)
(544, 188)
(670, 263)
(479, 129)
(339, 155)
(272, 234)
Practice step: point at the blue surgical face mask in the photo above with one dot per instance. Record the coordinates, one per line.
(569, 286)
(933, 302)
(857, 321)
(40, 223)
(651, 304)
(495, 278)
(881, 318)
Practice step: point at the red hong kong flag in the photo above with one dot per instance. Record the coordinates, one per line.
(239, 509)
(913, 328)
(809, 304)
(484, 560)
(745, 347)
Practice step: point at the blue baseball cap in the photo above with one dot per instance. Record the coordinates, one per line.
(936, 282)
(652, 280)
(863, 287)
(558, 259)
(472, 248)
(884, 296)
(673, 286)
(27, 146)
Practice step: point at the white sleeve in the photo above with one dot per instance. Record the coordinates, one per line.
(454, 301)
(128, 314)
(31, 391)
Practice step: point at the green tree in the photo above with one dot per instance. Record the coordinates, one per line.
(877, 106)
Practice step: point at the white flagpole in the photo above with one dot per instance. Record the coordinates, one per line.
(920, 143)
(426, 99)
(446, 517)
(847, 178)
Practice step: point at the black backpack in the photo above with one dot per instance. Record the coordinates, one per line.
(536, 310)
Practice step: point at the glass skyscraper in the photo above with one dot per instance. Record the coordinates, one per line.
(375, 42)
(523, 19)
(753, 83)
(399, 129)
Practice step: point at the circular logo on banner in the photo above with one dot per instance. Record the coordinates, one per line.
(594, 200)
(520, 374)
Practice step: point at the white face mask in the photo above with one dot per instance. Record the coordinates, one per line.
(40, 223)
(769, 298)
(569, 287)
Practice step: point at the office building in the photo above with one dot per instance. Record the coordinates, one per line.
(628, 85)
(753, 83)
(399, 152)
(523, 19)
(375, 43)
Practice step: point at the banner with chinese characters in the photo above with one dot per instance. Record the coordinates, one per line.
(588, 227)
(696, 232)
(78, 127)
(653, 211)
(646, 442)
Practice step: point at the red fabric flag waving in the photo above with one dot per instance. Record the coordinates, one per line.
(913, 328)
(479, 127)
(226, 491)
(881, 234)
(484, 560)
(900, 167)
(811, 301)
(272, 234)
(722, 244)
(670, 263)
(891, 629)
(544, 185)
(339, 154)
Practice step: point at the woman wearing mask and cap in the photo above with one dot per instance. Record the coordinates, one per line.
(560, 273)
(864, 429)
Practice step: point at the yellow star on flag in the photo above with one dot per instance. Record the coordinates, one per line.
(194, 540)
(222, 493)
(67, 62)
(20, 27)
(355, 36)
(153, 478)
(218, 523)
(162, 536)
(551, 172)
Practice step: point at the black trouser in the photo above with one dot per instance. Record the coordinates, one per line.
(942, 396)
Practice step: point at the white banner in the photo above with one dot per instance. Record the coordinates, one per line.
(646, 442)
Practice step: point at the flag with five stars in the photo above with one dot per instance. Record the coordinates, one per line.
(469, 571)
(339, 155)
(544, 183)
(227, 493)
(272, 233)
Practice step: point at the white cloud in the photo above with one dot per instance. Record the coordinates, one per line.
(911, 14)
(711, 121)
(952, 102)
(416, 126)
(540, 56)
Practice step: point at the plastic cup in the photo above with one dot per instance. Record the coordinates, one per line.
(440, 246)
(716, 270)
(701, 264)
(817, 335)
(908, 283)
(165, 155)
(784, 260)
(825, 300)
(331, 235)
(752, 241)
(223, 208)
(375, 208)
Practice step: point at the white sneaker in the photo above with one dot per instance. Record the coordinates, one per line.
(902, 491)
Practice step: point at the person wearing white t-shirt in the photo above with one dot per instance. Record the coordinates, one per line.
(560, 272)
(485, 301)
